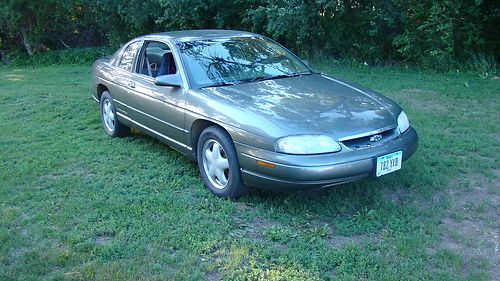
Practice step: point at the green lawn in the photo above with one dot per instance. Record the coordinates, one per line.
(76, 204)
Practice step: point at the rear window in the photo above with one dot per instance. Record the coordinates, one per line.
(127, 59)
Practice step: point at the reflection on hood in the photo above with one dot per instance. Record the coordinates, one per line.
(312, 104)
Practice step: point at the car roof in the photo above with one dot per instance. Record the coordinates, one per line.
(200, 34)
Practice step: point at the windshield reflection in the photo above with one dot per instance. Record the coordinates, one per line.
(228, 61)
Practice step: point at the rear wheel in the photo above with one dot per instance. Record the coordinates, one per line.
(218, 163)
(110, 122)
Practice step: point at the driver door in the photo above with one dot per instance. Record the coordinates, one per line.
(160, 109)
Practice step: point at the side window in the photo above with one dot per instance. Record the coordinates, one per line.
(156, 60)
(127, 59)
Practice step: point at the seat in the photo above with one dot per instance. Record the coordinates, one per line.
(172, 68)
(167, 65)
(164, 65)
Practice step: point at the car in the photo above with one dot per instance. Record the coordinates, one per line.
(249, 112)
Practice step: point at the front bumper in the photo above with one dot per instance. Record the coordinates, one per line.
(296, 172)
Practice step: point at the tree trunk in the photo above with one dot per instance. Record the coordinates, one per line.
(26, 42)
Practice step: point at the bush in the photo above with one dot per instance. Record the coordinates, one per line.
(483, 65)
(66, 56)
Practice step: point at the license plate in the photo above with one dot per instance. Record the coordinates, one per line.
(389, 163)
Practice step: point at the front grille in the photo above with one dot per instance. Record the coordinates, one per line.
(370, 141)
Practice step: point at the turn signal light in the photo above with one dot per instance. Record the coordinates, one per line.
(266, 164)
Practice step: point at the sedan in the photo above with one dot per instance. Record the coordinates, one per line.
(251, 113)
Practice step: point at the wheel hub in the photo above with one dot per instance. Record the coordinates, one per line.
(215, 163)
(108, 115)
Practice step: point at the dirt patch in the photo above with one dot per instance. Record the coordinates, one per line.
(414, 96)
(264, 230)
(327, 231)
(73, 274)
(244, 207)
(496, 136)
(248, 223)
(255, 228)
(477, 192)
(474, 240)
(472, 223)
(102, 239)
(398, 196)
(260, 229)
(336, 241)
(213, 276)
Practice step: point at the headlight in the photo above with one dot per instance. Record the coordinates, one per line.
(403, 122)
(307, 144)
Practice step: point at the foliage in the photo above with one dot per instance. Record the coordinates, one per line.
(123, 20)
(66, 56)
(30, 20)
(199, 14)
(438, 34)
(482, 64)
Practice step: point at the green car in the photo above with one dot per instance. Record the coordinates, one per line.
(250, 112)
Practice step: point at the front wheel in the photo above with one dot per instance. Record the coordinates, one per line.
(218, 163)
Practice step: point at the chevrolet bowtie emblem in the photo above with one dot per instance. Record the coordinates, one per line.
(375, 138)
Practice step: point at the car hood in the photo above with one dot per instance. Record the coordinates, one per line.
(313, 104)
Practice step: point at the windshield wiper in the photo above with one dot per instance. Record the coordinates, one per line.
(295, 74)
(249, 80)
(219, 84)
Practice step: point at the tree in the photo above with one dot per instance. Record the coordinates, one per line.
(432, 33)
(29, 21)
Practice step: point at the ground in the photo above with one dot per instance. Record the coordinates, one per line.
(76, 204)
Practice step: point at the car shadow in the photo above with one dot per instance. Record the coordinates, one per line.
(345, 199)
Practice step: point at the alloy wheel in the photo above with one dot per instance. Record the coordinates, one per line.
(215, 164)
(108, 115)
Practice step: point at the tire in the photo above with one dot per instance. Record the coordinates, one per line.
(111, 125)
(218, 164)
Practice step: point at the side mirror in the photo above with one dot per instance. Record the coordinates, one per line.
(170, 80)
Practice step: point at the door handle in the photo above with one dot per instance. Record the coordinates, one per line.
(131, 84)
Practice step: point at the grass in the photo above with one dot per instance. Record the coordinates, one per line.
(77, 205)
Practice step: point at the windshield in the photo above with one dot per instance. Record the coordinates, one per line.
(234, 60)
